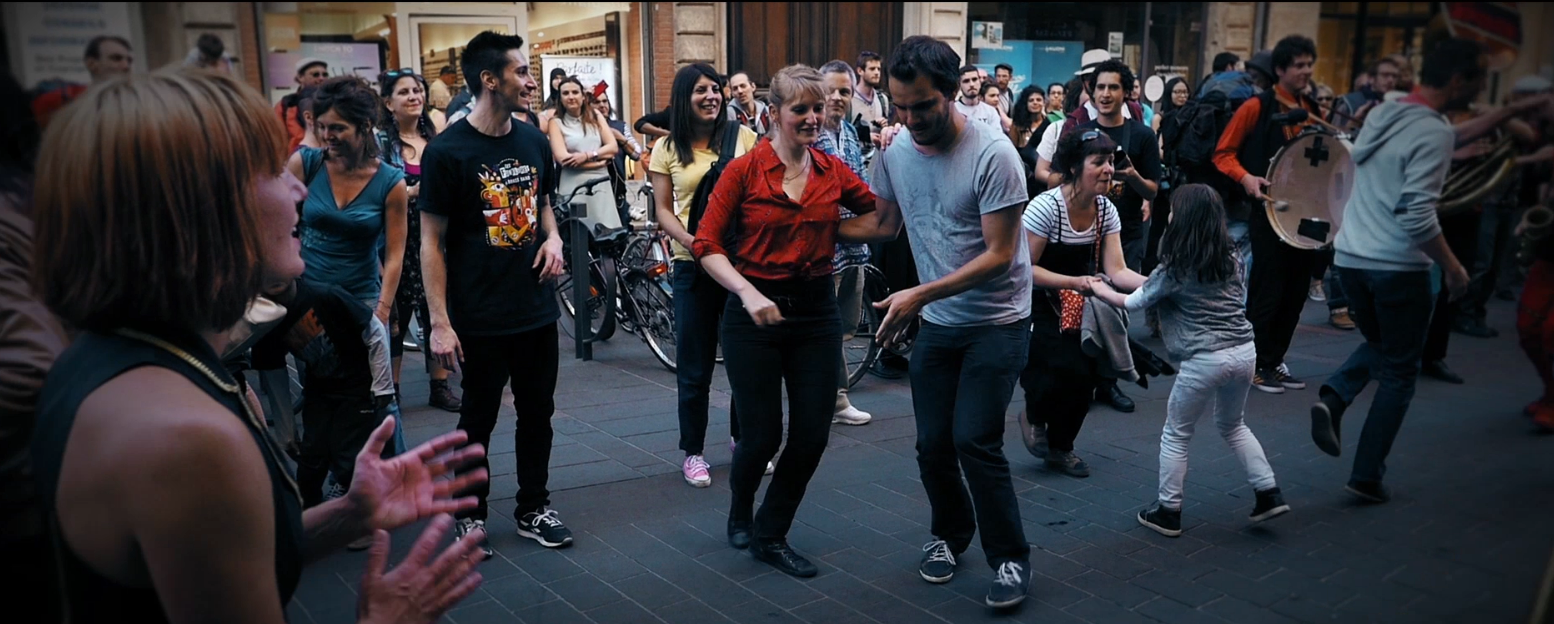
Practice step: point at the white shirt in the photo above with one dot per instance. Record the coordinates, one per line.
(1049, 140)
(983, 113)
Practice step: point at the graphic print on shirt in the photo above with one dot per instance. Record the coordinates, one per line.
(308, 342)
(509, 194)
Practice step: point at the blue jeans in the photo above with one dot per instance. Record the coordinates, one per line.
(698, 314)
(962, 380)
(1392, 310)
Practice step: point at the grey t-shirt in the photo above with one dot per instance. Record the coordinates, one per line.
(1195, 317)
(942, 199)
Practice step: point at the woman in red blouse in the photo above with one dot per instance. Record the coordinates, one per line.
(768, 235)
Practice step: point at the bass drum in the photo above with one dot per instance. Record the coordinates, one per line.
(1309, 183)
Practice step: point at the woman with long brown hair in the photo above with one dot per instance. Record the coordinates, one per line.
(583, 145)
(164, 207)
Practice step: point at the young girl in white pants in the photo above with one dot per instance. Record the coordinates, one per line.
(1199, 295)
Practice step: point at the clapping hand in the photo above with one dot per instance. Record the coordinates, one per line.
(408, 487)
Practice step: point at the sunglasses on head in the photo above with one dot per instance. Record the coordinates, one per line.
(1089, 135)
(399, 73)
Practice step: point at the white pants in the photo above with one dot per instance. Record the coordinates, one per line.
(1217, 381)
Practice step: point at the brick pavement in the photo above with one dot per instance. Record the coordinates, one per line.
(1465, 539)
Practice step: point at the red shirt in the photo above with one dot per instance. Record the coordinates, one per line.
(44, 106)
(767, 235)
(294, 130)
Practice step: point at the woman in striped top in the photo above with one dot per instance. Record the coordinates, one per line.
(1074, 237)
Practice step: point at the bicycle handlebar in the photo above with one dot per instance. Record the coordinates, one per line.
(586, 189)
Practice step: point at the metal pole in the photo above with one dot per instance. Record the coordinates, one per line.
(1145, 69)
(581, 328)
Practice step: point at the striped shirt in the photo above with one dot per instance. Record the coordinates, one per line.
(1047, 216)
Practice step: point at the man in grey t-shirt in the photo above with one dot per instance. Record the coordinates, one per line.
(960, 188)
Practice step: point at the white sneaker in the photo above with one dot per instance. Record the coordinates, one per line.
(851, 416)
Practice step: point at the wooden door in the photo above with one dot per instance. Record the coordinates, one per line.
(767, 36)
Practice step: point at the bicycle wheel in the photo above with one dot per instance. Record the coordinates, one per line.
(600, 305)
(654, 312)
(860, 352)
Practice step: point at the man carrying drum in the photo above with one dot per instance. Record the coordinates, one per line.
(1280, 273)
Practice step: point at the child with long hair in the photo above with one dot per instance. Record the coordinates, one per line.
(1199, 295)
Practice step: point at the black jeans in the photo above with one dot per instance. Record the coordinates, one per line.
(962, 380)
(1392, 310)
(802, 351)
(698, 314)
(527, 361)
(1058, 378)
(1281, 279)
(1461, 231)
(334, 430)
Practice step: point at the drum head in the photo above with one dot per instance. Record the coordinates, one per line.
(1310, 181)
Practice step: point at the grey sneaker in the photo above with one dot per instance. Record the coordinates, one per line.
(466, 526)
(938, 564)
(1011, 582)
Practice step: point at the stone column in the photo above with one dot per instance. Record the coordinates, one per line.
(1232, 28)
(945, 21)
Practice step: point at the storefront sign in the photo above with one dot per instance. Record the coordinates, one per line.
(1017, 54)
(1114, 44)
(1055, 61)
(987, 34)
(589, 71)
(54, 36)
(358, 59)
(283, 31)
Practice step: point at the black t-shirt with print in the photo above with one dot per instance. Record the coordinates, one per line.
(324, 329)
(1143, 149)
(490, 189)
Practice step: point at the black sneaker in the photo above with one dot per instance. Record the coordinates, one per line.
(1167, 522)
(778, 554)
(545, 527)
(1437, 369)
(1011, 582)
(938, 565)
(1111, 395)
(465, 526)
(1270, 504)
(1067, 463)
(1282, 376)
(1327, 417)
(1266, 380)
(1370, 491)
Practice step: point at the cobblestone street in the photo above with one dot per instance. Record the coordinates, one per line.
(1466, 538)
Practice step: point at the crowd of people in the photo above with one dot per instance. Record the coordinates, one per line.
(319, 227)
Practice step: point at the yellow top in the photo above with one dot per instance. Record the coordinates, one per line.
(687, 177)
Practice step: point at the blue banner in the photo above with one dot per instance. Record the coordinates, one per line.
(1035, 62)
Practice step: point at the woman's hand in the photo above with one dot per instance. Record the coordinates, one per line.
(391, 493)
(574, 159)
(1085, 284)
(761, 309)
(419, 589)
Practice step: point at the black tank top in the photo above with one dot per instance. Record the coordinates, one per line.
(90, 362)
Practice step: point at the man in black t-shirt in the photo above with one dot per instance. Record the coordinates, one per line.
(343, 351)
(489, 254)
(1133, 182)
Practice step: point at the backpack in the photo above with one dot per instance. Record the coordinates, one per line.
(1189, 136)
(1236, 86)
(704, 188)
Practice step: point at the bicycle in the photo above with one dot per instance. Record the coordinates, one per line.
(646, 295)
(600, 303)
(859, 353)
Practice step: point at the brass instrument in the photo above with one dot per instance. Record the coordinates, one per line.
(1468, 184)
(1533, 229)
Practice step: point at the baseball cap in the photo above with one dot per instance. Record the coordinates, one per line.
(1091, 59)
(304, 64)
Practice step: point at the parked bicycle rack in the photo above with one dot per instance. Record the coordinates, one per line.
(582, 331)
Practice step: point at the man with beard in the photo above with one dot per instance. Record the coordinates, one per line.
(1390, 240)
(970, 101)
(870, 104)
(744, 108)
(975, 301)
(486, 196)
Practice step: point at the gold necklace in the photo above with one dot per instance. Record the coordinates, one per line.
(225, 386)
(801, 170)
